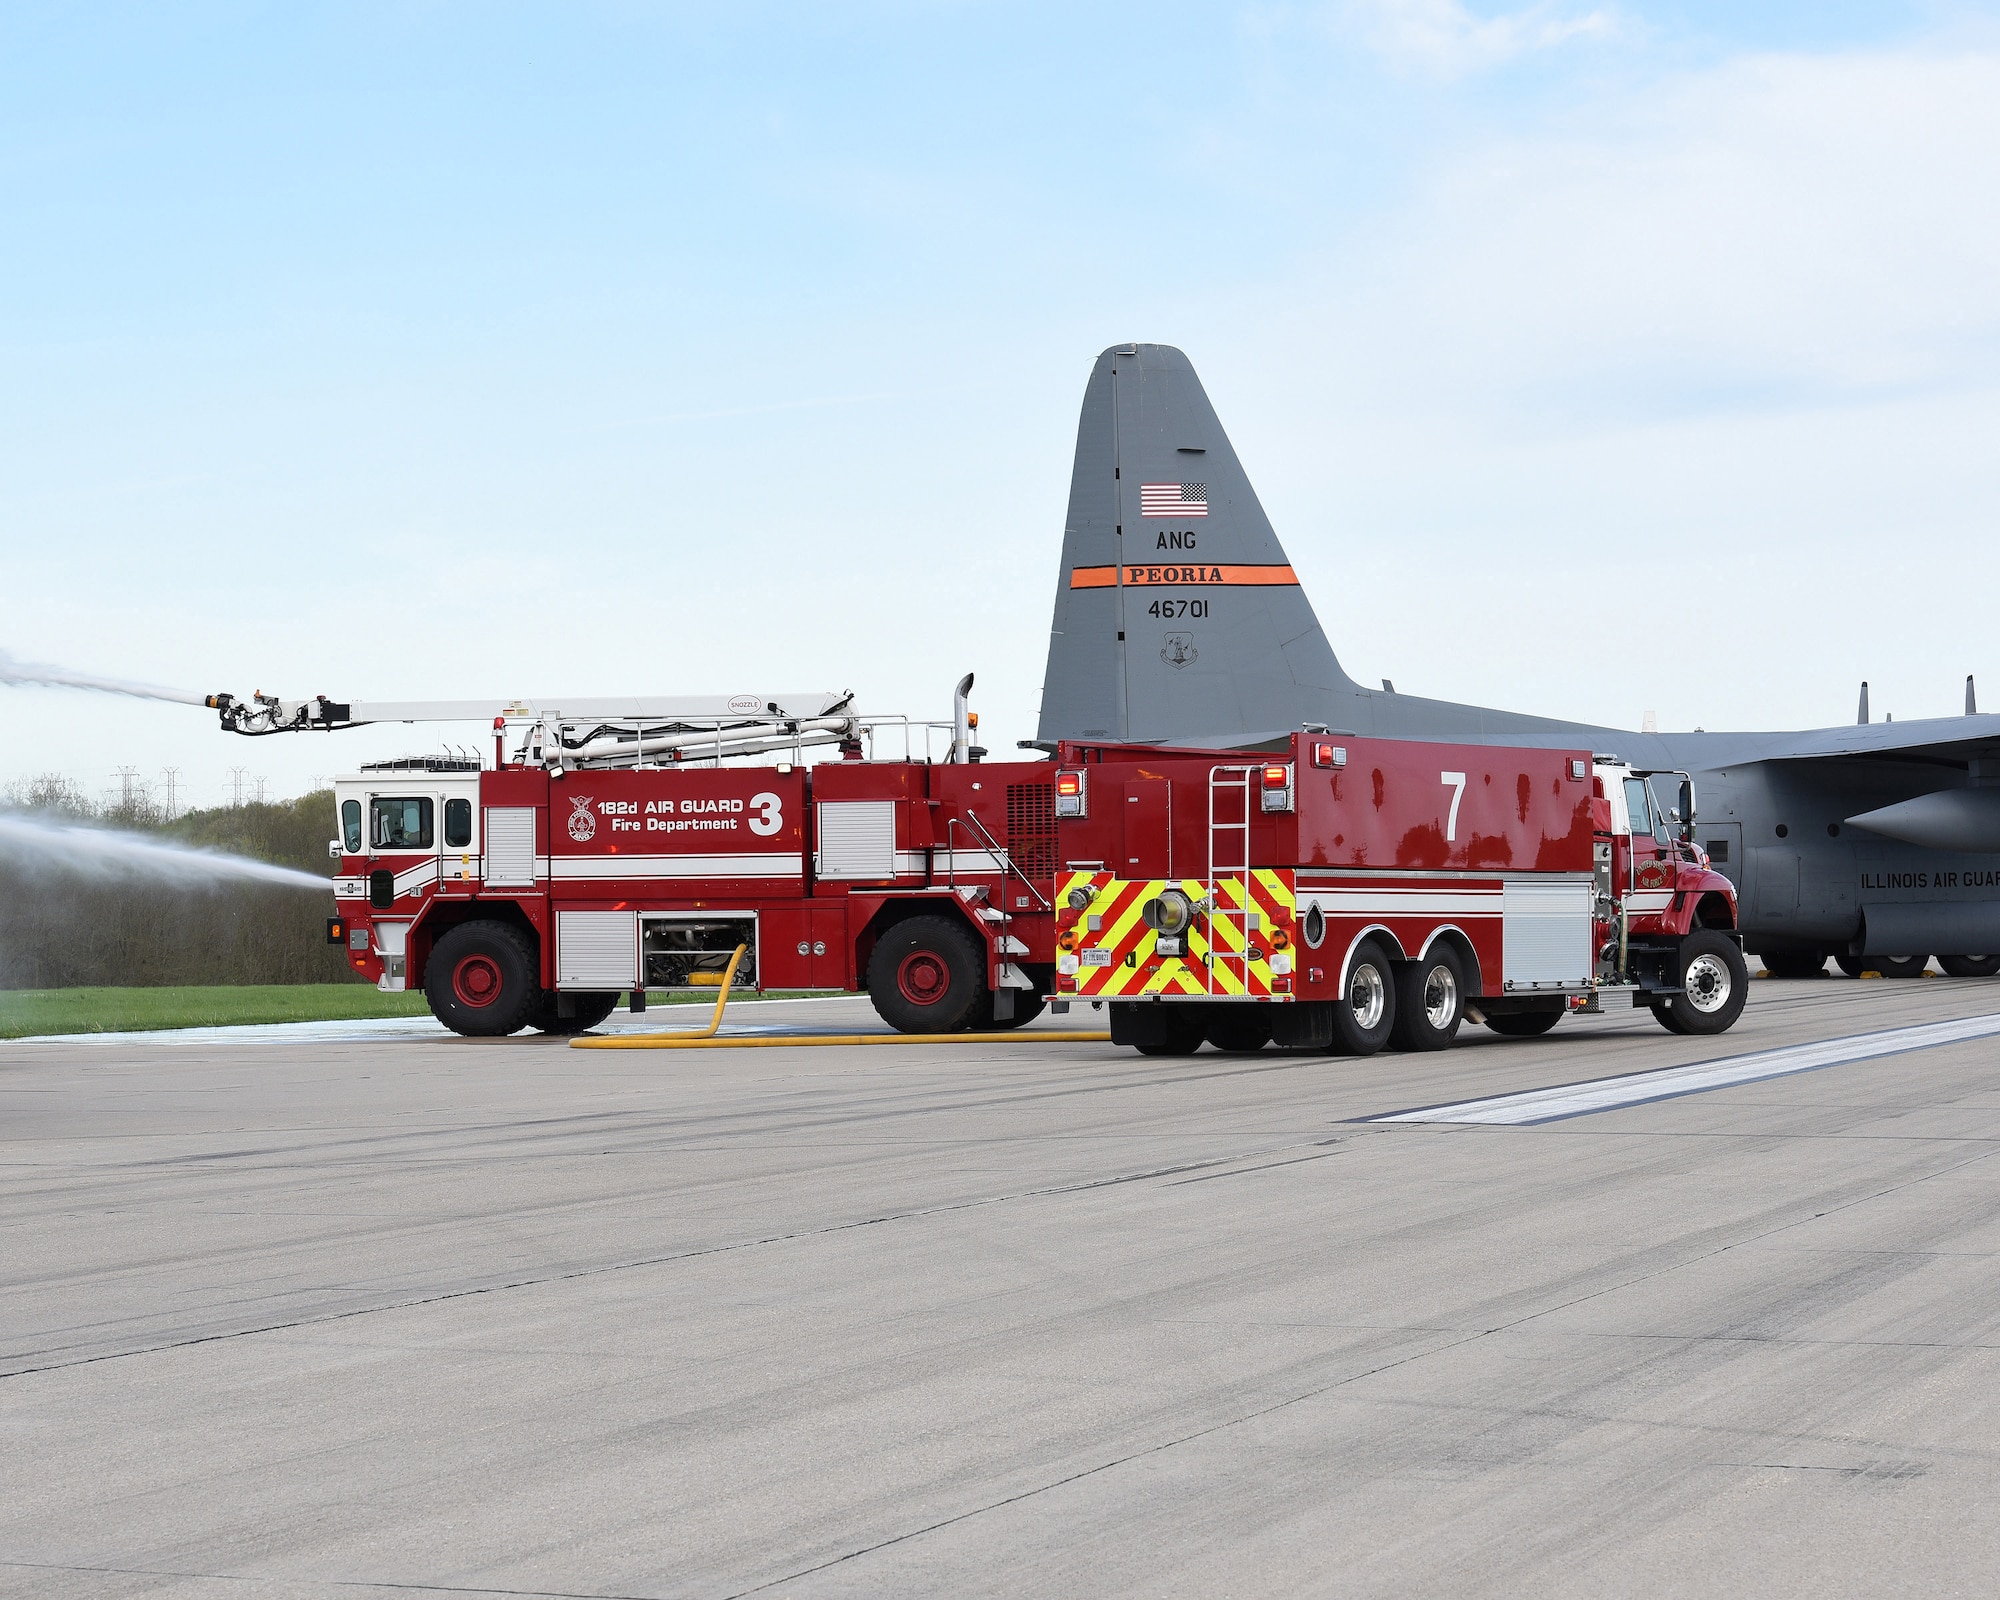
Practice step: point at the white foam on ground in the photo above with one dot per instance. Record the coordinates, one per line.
(1609, 1094)
(688, 1017)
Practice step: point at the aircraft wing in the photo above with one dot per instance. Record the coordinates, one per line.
(1946, 741)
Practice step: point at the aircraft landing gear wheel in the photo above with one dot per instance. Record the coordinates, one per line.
(588, 1011)
(927, 976)
(1851, 965)
(1240, 1030)
(481, 980)
(1430, 1002)
(1899, 966)
(1969, 966)
(1526, 1024)
(1795, 963)
(1363, 1016)
(1714, 984)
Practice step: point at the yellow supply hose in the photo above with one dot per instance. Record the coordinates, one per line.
(704, 1038)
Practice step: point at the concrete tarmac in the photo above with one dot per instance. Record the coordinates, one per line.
(407, 1315)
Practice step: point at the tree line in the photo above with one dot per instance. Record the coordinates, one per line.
(62, 928)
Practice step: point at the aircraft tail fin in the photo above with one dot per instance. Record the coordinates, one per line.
(1177, 614)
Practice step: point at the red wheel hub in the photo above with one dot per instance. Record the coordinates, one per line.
(923, 977)
(476, 980)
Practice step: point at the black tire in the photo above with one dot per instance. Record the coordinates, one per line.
(1180, 1041)
(1366, 1010)
(1154, 1029)
(1715, 982)
(1851, 965)
(1239, 1030)
(1896, 966)
(590, 1009)
(1795, 963)
(1430, 1002)
(481, 980)
(1969, 966)
(1526, 1024)
(928, 975)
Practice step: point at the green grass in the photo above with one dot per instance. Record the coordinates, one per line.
(26, 1012)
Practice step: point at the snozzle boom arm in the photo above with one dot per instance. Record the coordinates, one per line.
(582, 732)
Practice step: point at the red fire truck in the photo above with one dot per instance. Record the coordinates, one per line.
(1348, 893)
(1339, 894)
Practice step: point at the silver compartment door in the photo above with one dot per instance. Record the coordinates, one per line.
(857, 839)
(510, 847)
(597, 949)
(1545, 929)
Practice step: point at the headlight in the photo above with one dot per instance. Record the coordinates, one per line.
(1079, 897)
(1168, 912)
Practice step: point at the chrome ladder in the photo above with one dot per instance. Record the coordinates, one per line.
(1229, 853)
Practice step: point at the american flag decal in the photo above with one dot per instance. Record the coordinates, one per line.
(1173, 499)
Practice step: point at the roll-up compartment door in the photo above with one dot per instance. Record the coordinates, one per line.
(1546, 931)
(597, 949)
(857, 839)
(510, 847)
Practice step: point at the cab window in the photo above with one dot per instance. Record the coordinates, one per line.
(457, 824)
(350, 825)
(402, 824)
(1638, 802)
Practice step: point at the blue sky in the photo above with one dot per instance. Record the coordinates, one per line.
(1590, 358)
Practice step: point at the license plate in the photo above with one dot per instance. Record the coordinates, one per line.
(1096, 958)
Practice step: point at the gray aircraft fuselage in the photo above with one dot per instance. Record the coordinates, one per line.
(1178, 619)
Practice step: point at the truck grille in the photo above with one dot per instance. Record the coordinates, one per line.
(1031, 828)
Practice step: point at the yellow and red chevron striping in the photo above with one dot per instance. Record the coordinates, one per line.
(1227, 949)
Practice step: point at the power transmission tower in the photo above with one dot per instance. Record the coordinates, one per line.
(170, 778)
(127, 777)
(236, 785)
(260, 789)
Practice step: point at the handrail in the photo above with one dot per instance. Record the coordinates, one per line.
(1006, 860)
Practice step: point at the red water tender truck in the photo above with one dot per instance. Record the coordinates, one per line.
(1348, 893)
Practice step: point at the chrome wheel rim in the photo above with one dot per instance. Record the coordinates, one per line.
(1367, 995)
(1440, 997)
(1707, 983)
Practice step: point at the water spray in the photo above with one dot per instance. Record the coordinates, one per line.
(48, 676)
(34, 845)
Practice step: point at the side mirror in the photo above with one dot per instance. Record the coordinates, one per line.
(333, 849)
(1687, 807)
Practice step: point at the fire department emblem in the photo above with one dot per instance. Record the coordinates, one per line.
(1179, 650)
(1652, 876)
(582, 820)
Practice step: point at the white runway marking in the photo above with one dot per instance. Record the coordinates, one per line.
(1609, 1094)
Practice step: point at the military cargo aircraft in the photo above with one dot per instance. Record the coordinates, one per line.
(1178, 618)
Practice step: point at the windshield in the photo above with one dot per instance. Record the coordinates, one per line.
(402, 824)
(1638, 801)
